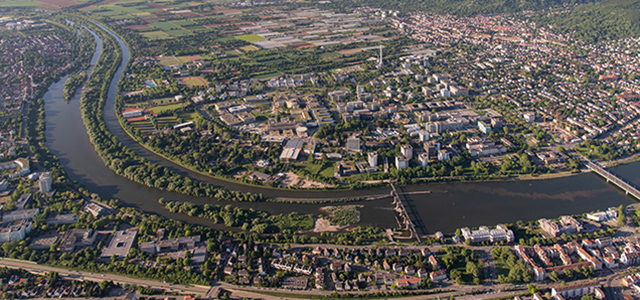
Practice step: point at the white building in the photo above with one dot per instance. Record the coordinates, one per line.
(373, 159)
(132, 113)
(424, 159)
(484, 234)
(402, 162)
(407, 151)
(45, 182)
(611, 213)
(15, 232)
(424, 135)
(577, 290)
(444, 155)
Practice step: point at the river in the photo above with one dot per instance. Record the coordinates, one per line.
(447, 207)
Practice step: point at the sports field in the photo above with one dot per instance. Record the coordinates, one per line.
(193, 81)
(169, 61)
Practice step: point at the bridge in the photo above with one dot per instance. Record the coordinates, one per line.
(627, 187)
(404, 216)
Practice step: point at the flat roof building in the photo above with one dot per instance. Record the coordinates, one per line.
(120, 244)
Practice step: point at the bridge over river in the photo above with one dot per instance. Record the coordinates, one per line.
(627, 187)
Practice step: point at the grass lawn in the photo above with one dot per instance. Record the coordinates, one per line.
(193, 81)
(163, 108)
(250, 38)
(329, 170)
(188, 116)
(169, 61)
(161, 101)
(19, 3)
(155, 35)
(310, 167)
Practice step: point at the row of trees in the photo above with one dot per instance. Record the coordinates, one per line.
(250, 220)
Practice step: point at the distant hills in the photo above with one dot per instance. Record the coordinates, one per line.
(591, 20)
(458, 7)
(596, 21)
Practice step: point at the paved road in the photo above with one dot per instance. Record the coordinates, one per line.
(29, 266)
(609, 283)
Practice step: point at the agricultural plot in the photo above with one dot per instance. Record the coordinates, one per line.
(155, 35)
(19, 3)
(168, 121)
(250, 38)
(170, 28)
(144, 126)
(183, 22)
(249, 48)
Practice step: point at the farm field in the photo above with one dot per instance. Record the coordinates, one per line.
(144, 126)
(250, 38)
(155, 35)
(249, 48)
(12, 3)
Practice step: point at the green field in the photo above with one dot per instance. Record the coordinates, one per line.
(194, 81)
(19, 3)
(163, 108)
(156, 35)
(170, 28)
(250, 38)
(169, 61)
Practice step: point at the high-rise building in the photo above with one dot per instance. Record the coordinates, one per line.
(424, 159)
(407, 151)
(45, 182)
(373, 159)
(353, 144)
(402, 162)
